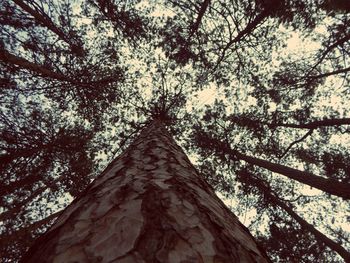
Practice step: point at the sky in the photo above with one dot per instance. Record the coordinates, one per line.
(295, 45)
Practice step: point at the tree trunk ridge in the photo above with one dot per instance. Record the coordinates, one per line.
(149, 205)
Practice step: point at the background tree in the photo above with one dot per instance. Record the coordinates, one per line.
(79, 78)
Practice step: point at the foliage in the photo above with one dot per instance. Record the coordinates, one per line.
(79, 79)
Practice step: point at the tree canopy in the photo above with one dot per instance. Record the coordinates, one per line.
(256, 92)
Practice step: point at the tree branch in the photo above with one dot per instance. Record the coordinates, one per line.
(23, 63)
(323, 75)
(23, 231)
(247, 30)
(198, 21)
(329, 49)
(327, 185)
(45, 21)
(295, 142)
(314, 124)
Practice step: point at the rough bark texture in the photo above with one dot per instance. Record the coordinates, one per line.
(149, 205)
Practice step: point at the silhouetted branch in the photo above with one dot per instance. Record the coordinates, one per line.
(314, 124)
(23, 63)
(329, 49)
(247, 30)
(195, 25)
(323, 75)
(22, 232)
(45, 21)
(295, 142)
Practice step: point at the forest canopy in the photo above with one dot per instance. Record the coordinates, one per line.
(256, 92)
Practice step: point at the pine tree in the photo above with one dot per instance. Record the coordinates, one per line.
(149, 205)
(77, 78)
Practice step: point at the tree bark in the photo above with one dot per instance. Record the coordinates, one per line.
(149, 205)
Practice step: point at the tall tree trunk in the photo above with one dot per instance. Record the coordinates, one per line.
(149, 205)
(328, 185)
(273, 199)
(309, 227)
